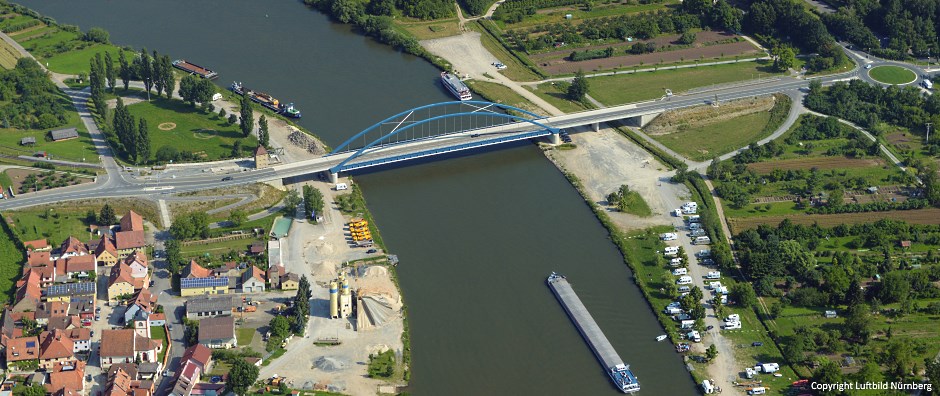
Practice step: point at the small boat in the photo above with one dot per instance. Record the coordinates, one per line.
(661, 337)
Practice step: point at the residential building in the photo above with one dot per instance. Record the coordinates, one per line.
(81, 339)
(126, 380)
(63, 323)
(200, 355)
(67, 291)
(123, 283)
(28, 292)
(194, 270)
(105, 252)
(252, 280)
(66, 377)
(203, 286)
(209, 307)
(126, 346)
(196, 360)
(84, 307)
(132, 222)
(21, 349)
(274, 276)
(138, 263)
(37, 245)
(55, 347)
(72, 247)
(218, 332)
(157, 319)
(50, 309)
(140, 306)
(261, 157)
(256, 248)
(80, 267)
(290, 281)
(126, 242)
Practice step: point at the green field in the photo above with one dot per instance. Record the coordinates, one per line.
(217, 248)
(557, 14)
(11, 263)
(50, 224)
(636, 205)
(712, 140)
(627, 88)
(159, 333)
(244, 336)
(77, 61)
(555, 93)
(72, 150)
(8, 55)
(892, 75)
(205, 135)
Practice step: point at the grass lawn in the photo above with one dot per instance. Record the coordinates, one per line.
(578, 13)
(217, 247)
(555, 93)
(274, 355)
(176, 124)
(54, 225)
(77, 61)
(501, 94)
(11, 263)
(159, 333)
(426, 30)
(709, 141)
(72, 150)
(627, 88)
(636, 205)
(892, 74)
(244, 335)
(763, 209)
(43, 45)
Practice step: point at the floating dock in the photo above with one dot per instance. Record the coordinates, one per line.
(619, 373)
(193, 68)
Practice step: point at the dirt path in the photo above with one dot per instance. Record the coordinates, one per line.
(469, 58)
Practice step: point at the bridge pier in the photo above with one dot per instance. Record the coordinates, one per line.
(334, 177)
(554, 139)
(596, 127)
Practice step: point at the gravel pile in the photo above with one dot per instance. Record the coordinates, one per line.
(301, 139)
(328, 363)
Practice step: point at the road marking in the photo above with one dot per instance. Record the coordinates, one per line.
(158, 188)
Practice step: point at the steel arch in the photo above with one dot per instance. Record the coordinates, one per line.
(396, 116)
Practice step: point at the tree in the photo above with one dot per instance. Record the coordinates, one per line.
(169, 79)
(301, 306)
(291, 201)
(827, 373)
(858, 323)
(156, 72)
(237, 149)
(263, 130)
(932, 371)
(687, 38)
(578, 88)
(711, 352)
(279, 326)
(109, 70)
(145, 70)
(238, 218)
(784, 57)
(187, 89)
(191, 334)
(241, 376)
(125, 71)
(744, 295)
(232, 119)
(35, 390)
(167, 153)
(143, 142)
(98, 35)
(174, 258)
(247, 119)
(313, 200)
(106, 216)
(931, 179)
(222, 113)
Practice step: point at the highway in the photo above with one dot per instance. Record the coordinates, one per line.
(115, 183)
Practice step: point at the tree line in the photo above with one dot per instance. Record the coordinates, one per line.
(29, 98)
(909, 26)
(786, 23)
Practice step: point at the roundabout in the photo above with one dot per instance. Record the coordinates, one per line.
(892, 75)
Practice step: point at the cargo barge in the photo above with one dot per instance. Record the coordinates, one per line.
(455, 86)
(619, 373)
(267, 101)
(193, 68)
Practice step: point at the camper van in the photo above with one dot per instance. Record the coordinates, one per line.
(694, 336)
(704, 240)
(669, 236)
(671, 250)
(695, 219)
(687, 324)
(677, 212)
(676, 262)
(713, 275)
(697, 233)
(684, 280)
(684, 289)
(695, 226)
(680, 271)
(707, 387)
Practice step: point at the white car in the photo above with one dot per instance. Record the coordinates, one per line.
(669, 236)
(499, 66)
(868, 66)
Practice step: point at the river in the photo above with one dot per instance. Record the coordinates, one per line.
(476, 234)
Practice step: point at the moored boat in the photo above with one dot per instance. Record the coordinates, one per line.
(455, 86)
(193, 68)
(266, 100)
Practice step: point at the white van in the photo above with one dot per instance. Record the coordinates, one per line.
(695, 219)
(669, 236)
(713, 275)
(684, 280)
(677, 212)
(760, 390)
(707, 387)
(702, 240)
(676, 262)
(687, 324)
(673, 311)
(684, 289)
(680, 271)
(341, 186)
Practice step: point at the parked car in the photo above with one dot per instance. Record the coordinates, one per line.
(226, 178)
(370, 251)
(709, 327)
(757, 344)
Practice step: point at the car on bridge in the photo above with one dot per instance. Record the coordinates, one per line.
(227, 178)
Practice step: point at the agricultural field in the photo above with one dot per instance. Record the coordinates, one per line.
(930, 216)
(628, 88)
(175, 124)
(704, 132)
(32, 180)
(825, 163)
(8, 55)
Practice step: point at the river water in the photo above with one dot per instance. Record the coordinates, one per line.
(476, 234)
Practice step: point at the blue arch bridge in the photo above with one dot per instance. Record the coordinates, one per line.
(448, 127)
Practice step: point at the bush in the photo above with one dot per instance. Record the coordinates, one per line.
(97, 35)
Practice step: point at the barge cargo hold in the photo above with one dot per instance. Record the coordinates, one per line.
(193, 68)
(619, 373)
(268, 101)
